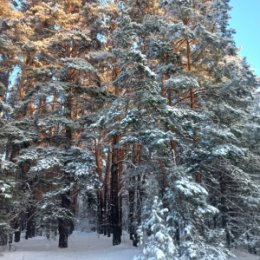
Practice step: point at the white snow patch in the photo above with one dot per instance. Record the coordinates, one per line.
(85, 246)
(82, 246)
(240, 255)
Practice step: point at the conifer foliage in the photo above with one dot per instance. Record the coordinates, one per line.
(141, 108)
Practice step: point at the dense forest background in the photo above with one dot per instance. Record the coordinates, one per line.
(143, 111)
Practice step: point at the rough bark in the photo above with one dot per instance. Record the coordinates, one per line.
(116, 222)
(65, 225)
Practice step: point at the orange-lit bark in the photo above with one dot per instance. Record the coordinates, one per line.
(54, 103)
(188, 54)
(163, 91)
(21, 93)
(99, 158)
(30, 108)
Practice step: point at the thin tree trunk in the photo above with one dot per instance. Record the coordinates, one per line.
(139, 197)
(121, 156)
(198, 176)
(15, 224)
(188, 54)
(100, 227)
(65, 225)
(30, 227)
(116, 222)
(131, 194)
(135, 197)
(99, 158)
(107, 195)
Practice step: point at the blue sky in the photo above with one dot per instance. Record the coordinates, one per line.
(245, 19)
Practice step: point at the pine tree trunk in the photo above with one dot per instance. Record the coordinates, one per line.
(100, 213)
(63, 234)
(99, 159)
(139, 199)
(4, 240)
(17, 236)
(30, 227)
(223, 208)
(135, 198)
(65, 225)
(131, 195)
(115, 200)
(15, 224)
(188, 54)
(120, 169)
(107, 196)
(223, 201)
(169, 92)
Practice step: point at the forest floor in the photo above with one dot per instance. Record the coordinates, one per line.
(82, 246)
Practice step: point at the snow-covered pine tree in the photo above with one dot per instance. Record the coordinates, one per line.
(251, 238)
(195, 73)
(137, 101)
(53, 97)
(148, 97)
(231, 152)
(13, 195)
(159, 244)
(141, 117)
(211, 58)
(5, 196)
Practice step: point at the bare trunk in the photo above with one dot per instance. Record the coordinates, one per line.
(116, 222)
(188, 54)
(100, 193)
(107, 196)
(65, 224)
(30, 226)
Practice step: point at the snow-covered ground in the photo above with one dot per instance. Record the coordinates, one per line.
(82, 246)
(240, 255)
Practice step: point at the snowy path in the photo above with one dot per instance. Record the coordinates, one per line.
(82, 246)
